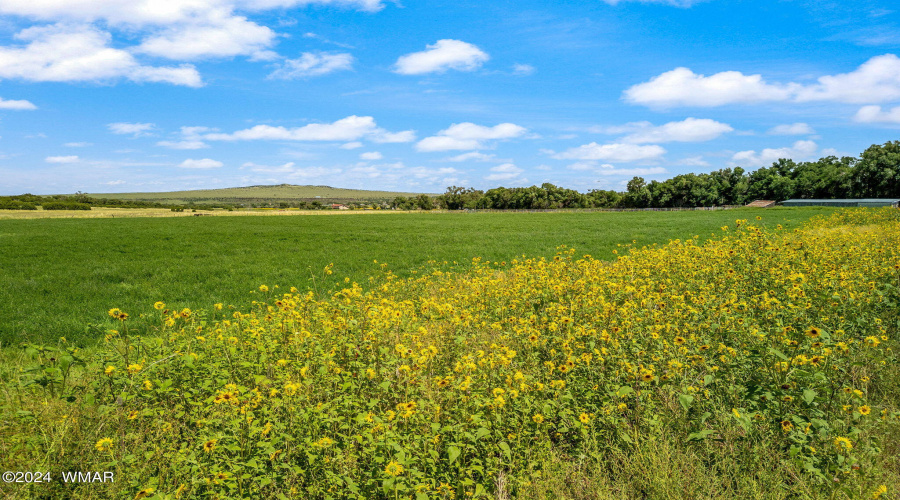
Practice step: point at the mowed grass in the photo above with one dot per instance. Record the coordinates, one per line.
(59, 276)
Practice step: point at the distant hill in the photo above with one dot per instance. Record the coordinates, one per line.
(257, 194)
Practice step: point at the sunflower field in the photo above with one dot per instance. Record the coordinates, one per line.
(766, 352)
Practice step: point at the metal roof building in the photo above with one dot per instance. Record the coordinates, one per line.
(865, 202)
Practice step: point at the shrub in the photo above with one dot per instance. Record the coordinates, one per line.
(65, 205)
(16, 205)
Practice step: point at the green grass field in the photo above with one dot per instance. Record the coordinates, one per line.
(61, 275)
(250, 194)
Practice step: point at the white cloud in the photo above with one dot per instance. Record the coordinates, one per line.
(62, 159)
(523, 69)
(65, 53)
(472, 156)
(465, 136)
(613, 152)
(174, 29)
(876, 80)
(874, 114)
(195, 132)
(443, 55)
(136, 129)
(800, 150)
(431, 173)
(351, 128)
(352, 145)
(694, 161)
(156, 12)
(220, 36)
(77, 144)
(115, 183)
(792, 129)
(312, 64)
(372, 155)
(183, 144)
(383, 136)
(191, 138)
(18, 105)
(504, 172)
(478, 132)
(687, 130)
(444, 143)
(204, 163)
(683, 87)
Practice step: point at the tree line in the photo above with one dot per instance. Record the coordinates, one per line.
(874, 174)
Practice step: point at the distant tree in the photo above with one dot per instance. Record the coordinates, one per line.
(638, 194)
(457, 198)
(878, 173)
(424, 202)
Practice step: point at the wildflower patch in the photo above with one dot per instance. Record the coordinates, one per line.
(439, 385)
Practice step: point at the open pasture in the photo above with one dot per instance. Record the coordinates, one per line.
(61, 275)
(758, 363)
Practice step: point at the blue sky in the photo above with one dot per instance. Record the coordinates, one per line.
(145, 95)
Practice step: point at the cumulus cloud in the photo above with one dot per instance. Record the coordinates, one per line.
(792, 129)
(352, 145)
(155, 12)
(466, 136)
(372, 155)
(504, 172)
(312, 64)
(218, 36)
(204, 163)
(18, 105)
(683, 87)
(66, 53)
(444, 143)
(77, 49)
(443, 55)
(687, 130)
(62, 159)
(135, 129)
(877, 80)
(800, 150)
(620, 152)
(473, 156)
(874, 114)
(351, 128)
